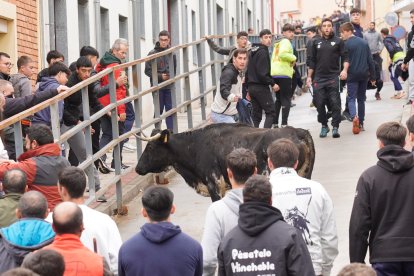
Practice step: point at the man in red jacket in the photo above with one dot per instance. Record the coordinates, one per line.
(112, 58)
(79, 260)
(41, 162)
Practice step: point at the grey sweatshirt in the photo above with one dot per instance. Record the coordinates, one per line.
(374, 40)
(222, 216)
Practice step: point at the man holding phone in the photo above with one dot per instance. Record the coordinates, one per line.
(163, 72)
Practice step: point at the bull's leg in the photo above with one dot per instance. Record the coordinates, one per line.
(212, 189)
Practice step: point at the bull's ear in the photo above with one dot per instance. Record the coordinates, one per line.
(165, 136)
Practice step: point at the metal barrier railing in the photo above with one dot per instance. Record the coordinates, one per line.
(135, 97)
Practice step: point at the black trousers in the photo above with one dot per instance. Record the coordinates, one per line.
(261, 100)
(327, 94)
(283, 99)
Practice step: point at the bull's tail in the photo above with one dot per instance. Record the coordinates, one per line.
(309, 153)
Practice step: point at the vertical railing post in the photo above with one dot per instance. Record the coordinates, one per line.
(155, 94)
(18, 138)
(137, 103)
(172, 68)
(187, 88)
(55, 120)
(115, 135)
(201, 79)
(88, 141)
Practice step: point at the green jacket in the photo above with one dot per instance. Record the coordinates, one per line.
(282, 58)
(8, 205)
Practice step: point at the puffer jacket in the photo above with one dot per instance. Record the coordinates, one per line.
(22, 237)
(21, 84)
(283, 59)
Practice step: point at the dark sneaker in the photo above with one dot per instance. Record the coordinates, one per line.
(324, 131)
(102, 167)
(355, 126)
(123, 166)
(275, 126)
(335, 133)
(361, 127)
(377, 96)
(292, 104)
(409, 102)
(101, 198)
(347, 115)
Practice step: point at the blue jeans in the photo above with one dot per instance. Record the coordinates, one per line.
(106, 127)
(166, 102)
(222, 118)
(394, 268)
(130, 116)
(357, 91)
(394, 78)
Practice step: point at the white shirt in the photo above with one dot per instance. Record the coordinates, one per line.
(306, 205)
(105, 231)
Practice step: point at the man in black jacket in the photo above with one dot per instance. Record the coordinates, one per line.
(5, 66)
(163, 73)
(259, 80)
(324, 72)
(382, 215)
(262, 243)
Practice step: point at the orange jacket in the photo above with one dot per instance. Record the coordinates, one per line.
(79, 260)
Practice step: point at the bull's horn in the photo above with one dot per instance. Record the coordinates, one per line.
(148, 139)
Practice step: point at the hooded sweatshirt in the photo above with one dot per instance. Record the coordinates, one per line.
(263, 243)
(382, 215)
(163, 65)
(221, 217)
(22, 237)
(258, 68)
(282, 59)
(160, 249)
(43, 116)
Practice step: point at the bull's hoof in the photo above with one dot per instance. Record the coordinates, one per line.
(163, 182)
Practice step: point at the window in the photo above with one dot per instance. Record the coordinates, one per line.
(83, 23)
(123, 27)
(105, 43)
(155, 20)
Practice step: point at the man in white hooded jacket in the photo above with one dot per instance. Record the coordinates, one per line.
(222, 215)
(304, 203)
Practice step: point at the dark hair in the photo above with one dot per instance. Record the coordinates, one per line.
(164, 33)
(410, 124)
(42, 134)
(392, 133)
(58, 67)
(19, 271)
(311, 29)
(83, 61)
(71, 222)
(265, 32)
(357, 269)
(257, 188)
(45, 262)
(412, 11)
(326, 20)
(372, 22)
(283, 153)
(242, 33)
(88, 51)
(242, 163)
(346, 27)
(288, 27)
(385, 31)
(14, 181)
(157, 201)
(2, 54)
(22, 61)
(54, 55)
(355, 10)
(32, 204)
(240, 51)
(74, 180)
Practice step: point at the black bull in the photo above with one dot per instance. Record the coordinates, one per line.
(199, 156)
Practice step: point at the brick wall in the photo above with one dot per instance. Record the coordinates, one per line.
(27, 34)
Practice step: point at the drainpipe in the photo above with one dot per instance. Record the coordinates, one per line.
(272, 16)
(97, 6)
